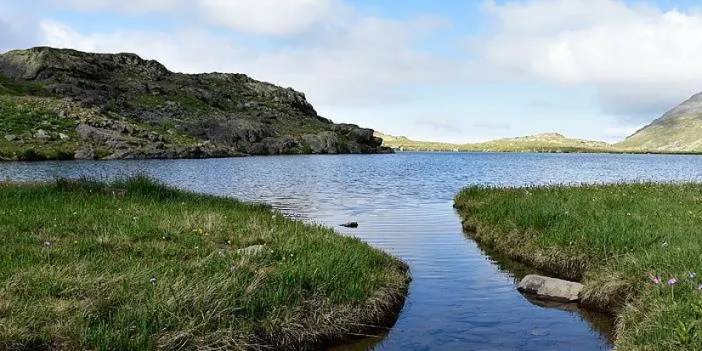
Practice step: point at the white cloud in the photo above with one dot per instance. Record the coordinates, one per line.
(16, 29)
(123, 6)
(638, 58)
(270, 17)
(362, 61)
(277, 18)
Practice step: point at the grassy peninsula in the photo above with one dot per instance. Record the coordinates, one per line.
(137, 265)
(637, 248)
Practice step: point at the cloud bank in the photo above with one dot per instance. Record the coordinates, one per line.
(638, 58)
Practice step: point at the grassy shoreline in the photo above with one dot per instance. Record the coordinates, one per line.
(624, 242)
(136, 265)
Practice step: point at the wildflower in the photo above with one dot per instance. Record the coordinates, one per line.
(654, 278)
(692, 275)
(699, 287)
(672, 281)
(152, 280)
(665, 244)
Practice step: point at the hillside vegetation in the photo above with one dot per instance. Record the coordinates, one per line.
(547, 142)
(59, 103)
(678, 130)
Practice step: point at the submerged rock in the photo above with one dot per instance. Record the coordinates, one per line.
(550, 288)
(350, 225)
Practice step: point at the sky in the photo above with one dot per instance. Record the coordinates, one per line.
(453, 70)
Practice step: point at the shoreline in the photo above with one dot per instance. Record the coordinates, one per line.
(213, 157)
(595, 152)
(256, 279)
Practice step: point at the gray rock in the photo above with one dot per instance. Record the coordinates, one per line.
(42, 135)
(85, 152)
(550, 288)
(253, 250)
(322, 143)
(10, 137)
(63, 136)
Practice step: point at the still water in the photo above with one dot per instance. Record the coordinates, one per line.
(460, 298)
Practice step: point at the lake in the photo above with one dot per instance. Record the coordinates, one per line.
(460, 297)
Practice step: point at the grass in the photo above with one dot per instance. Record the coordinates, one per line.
(613, 238)
(137, 265)
(22, 117)
(19, 88)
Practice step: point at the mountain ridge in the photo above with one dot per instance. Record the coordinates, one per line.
(678, 130)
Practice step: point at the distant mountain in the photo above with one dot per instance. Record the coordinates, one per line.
(546, 142)
(678, 130)
(65, 104)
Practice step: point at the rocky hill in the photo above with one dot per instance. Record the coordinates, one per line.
(678, 130)
(64, 104)
(546, 142)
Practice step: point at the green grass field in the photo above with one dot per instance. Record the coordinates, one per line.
(136, 265)
(625, 242)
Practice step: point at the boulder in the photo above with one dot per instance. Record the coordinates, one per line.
(550, 288)
(85, 152)
(42, 134)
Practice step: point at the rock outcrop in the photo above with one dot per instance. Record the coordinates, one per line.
(123, 106)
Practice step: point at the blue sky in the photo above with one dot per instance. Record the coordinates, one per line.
(458, 71)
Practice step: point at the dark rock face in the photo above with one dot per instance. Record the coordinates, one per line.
(139, 109)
